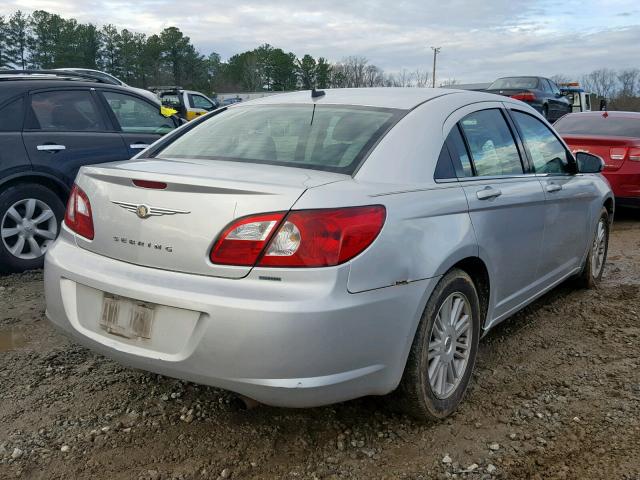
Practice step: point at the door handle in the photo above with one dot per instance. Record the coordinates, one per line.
(488, 193)
(50, 147)
(138, 146)
(553, 187)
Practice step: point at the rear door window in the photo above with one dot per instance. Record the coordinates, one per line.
(11, 116)
(547, 152)
(136, 115)
(65, 110)
(491, 144)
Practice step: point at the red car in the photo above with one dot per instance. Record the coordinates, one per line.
(614, 136)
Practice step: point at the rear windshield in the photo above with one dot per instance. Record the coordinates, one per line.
(598, 125)
(514, 82)
(320, 137)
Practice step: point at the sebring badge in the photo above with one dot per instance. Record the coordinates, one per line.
(145, 211)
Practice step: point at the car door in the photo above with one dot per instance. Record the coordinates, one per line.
(13, 156)
(568, 197)
(66, 129)
(561, 104)
(139, 121)
(198, 105)
(506, 206)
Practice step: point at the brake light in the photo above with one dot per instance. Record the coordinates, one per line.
(634, 154)
(524, 96)
(305, 238)
(150, 184)
(617, 153)
(78, 216)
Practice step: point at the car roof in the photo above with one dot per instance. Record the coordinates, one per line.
(10, 87)
(382, 97)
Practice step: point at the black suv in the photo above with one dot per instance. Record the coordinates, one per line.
(51, 124)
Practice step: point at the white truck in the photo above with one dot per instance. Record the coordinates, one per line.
(580, 100)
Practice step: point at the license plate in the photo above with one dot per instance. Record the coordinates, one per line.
(126, 318)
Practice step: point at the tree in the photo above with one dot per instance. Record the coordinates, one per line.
(174, 48)
(628, 80)
(89, 41)
(17, 37)
(602, 82)
(307, 71)
(323, 73)
(4, 55)
(110, 50)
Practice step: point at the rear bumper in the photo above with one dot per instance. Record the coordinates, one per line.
(302, 341)
(624, 183)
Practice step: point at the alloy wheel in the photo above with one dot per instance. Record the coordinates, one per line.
(450, 345)
(598, 249)
(28, 227)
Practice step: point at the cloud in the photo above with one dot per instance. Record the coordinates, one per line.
(480, 40)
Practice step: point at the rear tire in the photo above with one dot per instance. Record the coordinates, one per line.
(593, 269)
(442, 356)
(545, 112)
(30, 217)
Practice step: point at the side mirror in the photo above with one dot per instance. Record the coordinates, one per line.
(589, 163)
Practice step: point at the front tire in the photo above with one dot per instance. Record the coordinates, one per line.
(593, 269)
(444, 349)
(30, 217)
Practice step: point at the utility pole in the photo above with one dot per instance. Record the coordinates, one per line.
(436, 51)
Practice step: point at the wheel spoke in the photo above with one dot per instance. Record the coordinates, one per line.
(434, 365)
(443, 378)
(9, 232)
(34, 247)
(13, 213)
(30, 209)
(435, 345)
(17, 248)
(45, 234)
(455, 310)
(462, 326)
(451, 372)
(44, 216)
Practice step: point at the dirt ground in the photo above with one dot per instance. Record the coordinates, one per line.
(556, 394)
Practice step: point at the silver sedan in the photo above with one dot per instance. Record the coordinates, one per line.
(313, 247)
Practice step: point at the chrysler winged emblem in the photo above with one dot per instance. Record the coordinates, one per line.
(145, 211)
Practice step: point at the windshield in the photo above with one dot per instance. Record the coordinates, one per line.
(514, 83)
(320, 137)
(598, 125)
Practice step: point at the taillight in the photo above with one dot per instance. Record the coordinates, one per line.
(305, 238)
(78, 216)
(634, 154)
(242, 242)
(617, 153)
(524, 96)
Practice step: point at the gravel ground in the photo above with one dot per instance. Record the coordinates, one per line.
(556, 394)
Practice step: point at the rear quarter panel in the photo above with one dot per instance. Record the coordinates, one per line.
(427, 230)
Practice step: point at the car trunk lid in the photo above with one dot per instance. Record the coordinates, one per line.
(173, 228)
(613, 150)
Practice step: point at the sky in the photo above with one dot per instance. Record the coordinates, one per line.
(480, 40)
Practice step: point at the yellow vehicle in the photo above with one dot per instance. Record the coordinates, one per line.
(188, 103)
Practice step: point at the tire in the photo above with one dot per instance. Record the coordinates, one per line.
(418, 397)
(28, 201)
(593, 269)
(545, 112)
